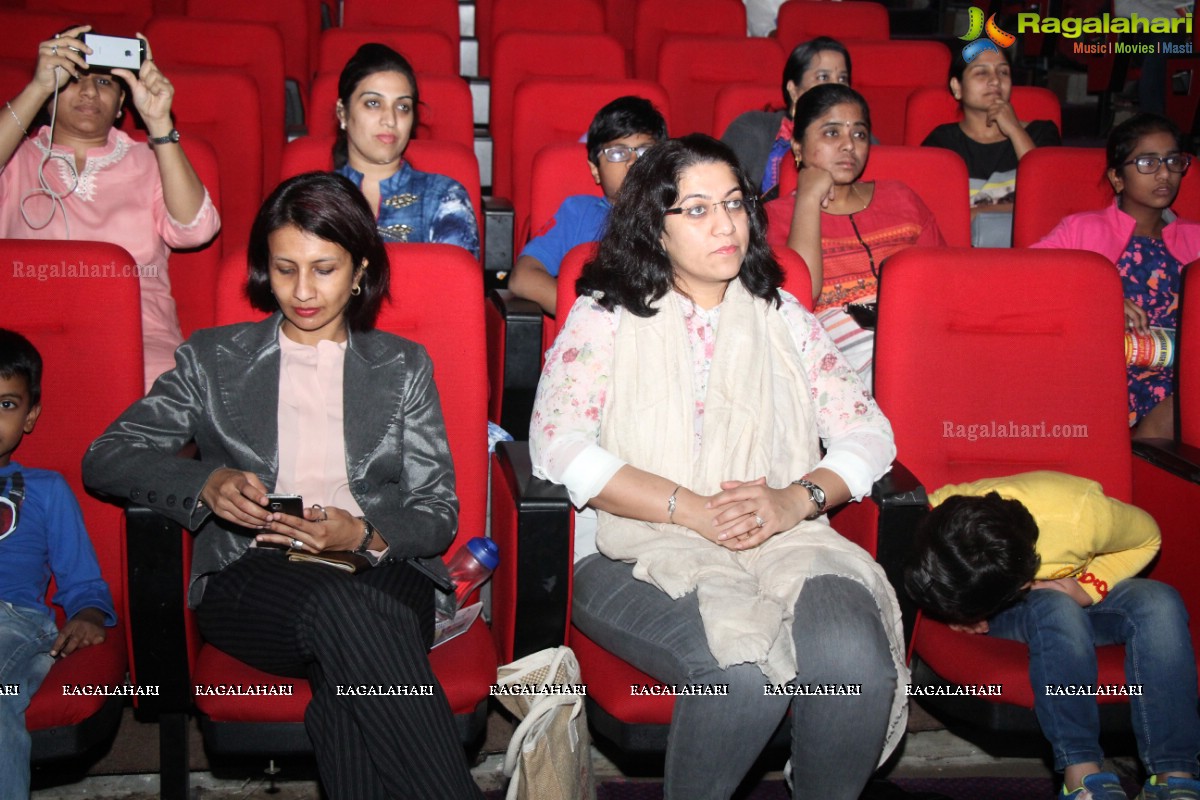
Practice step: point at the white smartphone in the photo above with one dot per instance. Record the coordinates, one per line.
(114, 51)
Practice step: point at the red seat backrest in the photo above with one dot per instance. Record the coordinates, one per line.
(693, 83)
(309, 153)
(985, 368)
(203, 103)
(541, 16)
(886, 73)
(801, 20)
(522, 56)
(194, 271)
(560, 171)
(1187, 372)
(930, 107)
(119, 19)
(735, 99)
(574, 102)
(445, 110)
(429, 52)
(939, 178)
(658, 19)
(298, 23)
(1042, 203)
(253, 49)
(432, 15)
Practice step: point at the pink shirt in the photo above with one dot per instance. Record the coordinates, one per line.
(118, 198)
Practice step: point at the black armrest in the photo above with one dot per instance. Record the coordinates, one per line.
(531, 523)
(497, 239)
(1177, 458)
(514, 340)
(157, 605)
(902, 504)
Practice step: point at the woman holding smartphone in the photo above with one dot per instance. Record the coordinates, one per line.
(312, 401)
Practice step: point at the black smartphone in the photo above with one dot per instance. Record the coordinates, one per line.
(114, 51)
(291, 504)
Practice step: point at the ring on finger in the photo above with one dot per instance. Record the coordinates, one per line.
(324, 513)
(759, 521)
(53, 49)
(297, 544)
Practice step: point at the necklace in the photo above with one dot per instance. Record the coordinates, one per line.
(854, 188)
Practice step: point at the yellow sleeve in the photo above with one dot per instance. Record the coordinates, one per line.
(1124, 539)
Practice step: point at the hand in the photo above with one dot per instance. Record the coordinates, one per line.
(1001, 114)
(814, 185)
(1135, 318)
(57, 63)
(151, 93)
(325, 529)
(237, 496)
(83, 630)
(1068, 586)
(970, 627)
(741, 504)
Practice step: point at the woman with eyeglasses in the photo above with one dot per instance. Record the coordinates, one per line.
(1148, 244)
(686, 400)
(842, 226)
(377, 111)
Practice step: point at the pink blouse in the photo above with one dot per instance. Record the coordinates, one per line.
(118, 198)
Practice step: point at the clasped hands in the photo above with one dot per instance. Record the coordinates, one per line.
(744, 514)
(241, 498)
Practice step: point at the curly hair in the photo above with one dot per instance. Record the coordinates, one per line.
(973, 557)
(330, 207)
(631, 268)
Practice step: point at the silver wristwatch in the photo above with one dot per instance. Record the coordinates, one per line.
(816, 493)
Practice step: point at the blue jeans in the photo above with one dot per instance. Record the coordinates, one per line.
(1149, 619)
(26, 636)
(714, 740)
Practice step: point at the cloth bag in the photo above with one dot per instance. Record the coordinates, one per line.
(549, 756)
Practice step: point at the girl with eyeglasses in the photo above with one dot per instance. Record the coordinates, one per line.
(842, 226)
(1149, 245)
(685, 401)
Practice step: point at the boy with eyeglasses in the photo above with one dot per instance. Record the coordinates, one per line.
(41, 533)
(620, 132)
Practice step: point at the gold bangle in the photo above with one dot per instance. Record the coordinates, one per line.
(671, 504)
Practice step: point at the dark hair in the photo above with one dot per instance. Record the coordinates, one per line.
(814, 103)
(802, 57)
(973, 556)
(630, 267)
(1123, 139)
(624, 116)
(368, 60)
(958, 64)
(18, 357)
(332, 208)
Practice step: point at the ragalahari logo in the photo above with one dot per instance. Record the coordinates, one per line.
(996, 38)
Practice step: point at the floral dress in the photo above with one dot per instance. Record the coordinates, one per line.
(1151, 278)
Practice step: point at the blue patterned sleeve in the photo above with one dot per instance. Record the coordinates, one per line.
(454, 220)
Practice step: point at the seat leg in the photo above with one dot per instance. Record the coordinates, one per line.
(174, 777)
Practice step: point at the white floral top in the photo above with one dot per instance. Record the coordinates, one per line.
(565, 429)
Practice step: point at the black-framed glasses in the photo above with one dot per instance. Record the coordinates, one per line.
(10, 503)
(620, 153)
(734, 207)
(1148, 165)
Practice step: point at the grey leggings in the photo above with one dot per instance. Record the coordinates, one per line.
(836, 740)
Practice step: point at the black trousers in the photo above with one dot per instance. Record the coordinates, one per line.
(338, 629)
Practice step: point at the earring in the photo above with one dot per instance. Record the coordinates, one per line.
(356, 291)
(797, 162)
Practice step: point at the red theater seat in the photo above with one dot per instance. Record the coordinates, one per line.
(694, 69)
(801, 20)
(931, 107)
(658, 19)
(429, 52)
(886, 73)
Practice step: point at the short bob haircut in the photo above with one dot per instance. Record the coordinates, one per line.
(20, 359)
(630, 267)
(332, 208)
(368, 60)
(625, 116)
(802, 57)
(1123, 139)
(974, 556)
(814, 103)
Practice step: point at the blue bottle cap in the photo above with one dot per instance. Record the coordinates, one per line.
(485, 550)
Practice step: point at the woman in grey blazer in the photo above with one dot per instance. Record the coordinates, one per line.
(312, 401)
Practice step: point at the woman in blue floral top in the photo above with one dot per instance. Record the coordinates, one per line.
(377, 109)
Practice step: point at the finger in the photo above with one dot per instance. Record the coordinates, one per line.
(149, 52)
(281, 540)
(231, 512)
(247, 505)
(59, 643)
(259, 493)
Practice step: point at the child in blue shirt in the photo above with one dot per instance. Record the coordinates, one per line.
(620, 132)
(41, 533)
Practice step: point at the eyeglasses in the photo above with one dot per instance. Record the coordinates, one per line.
(620, 153)
(10, 504)
(734, 207)
(1148, 165)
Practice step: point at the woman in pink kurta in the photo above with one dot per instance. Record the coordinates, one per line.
(144, 197)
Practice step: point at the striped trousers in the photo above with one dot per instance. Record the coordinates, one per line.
(338, 629)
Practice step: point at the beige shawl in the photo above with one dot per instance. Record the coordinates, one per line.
(758, 420)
